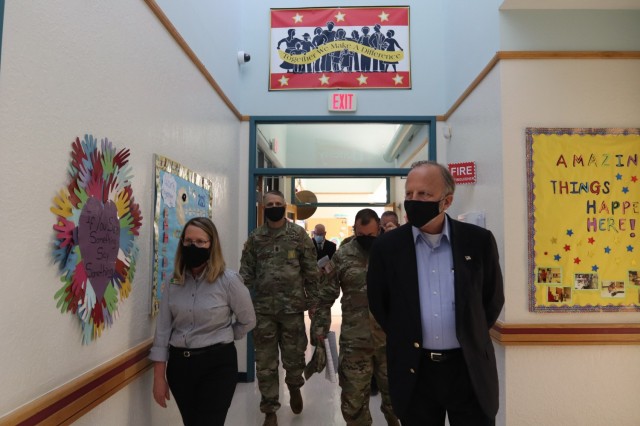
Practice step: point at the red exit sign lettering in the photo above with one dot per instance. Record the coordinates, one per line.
(463, 172)
(342, 102)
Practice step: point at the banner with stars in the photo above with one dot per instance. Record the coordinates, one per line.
(583, 188)
(340, 47)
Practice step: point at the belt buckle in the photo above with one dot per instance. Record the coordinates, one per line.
(186, 354)
(437, 357)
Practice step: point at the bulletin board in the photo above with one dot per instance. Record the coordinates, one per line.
(181, 194)
(583, 188)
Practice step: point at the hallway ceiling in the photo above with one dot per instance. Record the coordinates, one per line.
(571, 4)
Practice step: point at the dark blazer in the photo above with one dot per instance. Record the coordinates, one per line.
(328, 249)
(392, 281)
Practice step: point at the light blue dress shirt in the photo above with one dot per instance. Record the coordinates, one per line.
(436, 289)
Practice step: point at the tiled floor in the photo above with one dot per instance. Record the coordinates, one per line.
(321, 401)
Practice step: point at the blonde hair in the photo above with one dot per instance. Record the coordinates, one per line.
(215, 264)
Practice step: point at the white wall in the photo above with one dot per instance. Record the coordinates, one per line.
(476, 136)
(555, 93)
(570, 30)
(215, 33)
(550, 385)
(471, 39)
(71, 67)
(220, 34)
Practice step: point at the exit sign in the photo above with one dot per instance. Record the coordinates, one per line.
(463, 172)
(342, 102)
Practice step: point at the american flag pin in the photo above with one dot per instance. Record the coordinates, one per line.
(467, 258)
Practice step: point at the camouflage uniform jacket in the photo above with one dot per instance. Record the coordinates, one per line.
(279, 268)
(359, 328)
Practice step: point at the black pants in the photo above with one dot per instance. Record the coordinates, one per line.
(203, 384)
(444, 389)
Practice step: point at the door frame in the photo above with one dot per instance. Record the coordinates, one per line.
(255, 172)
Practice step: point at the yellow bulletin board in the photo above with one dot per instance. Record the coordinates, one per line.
(583, 189)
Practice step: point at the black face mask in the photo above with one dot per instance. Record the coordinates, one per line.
(419, 213)
(365, 241)
(195, 256)
(274, 214)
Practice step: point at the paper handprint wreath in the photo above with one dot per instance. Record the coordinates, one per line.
(97, 221)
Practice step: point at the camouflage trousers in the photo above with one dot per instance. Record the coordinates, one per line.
(274, 335)
(355, 369)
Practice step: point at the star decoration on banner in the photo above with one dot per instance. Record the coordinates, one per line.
(297, 19)
(625, 189)
(629, 248)
(340, 17)
(557, 257)
(591, 240)
(634, 179)
(576, 260)
(284, 81)
(607, 250)
(324, 80)
(567, 247)
(594, 268)
(383, 16)
(569, 232)
(619, 176)
(398, 79)
(554, 240)
(362, 79)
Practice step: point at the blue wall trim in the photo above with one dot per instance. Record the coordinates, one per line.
(254, 172)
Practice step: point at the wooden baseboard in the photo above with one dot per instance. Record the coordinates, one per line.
(64, 405)
(566, 334)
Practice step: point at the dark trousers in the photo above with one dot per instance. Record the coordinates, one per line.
(444, 389)
(203, 384)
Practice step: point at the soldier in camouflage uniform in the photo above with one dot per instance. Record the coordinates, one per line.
(362, 341)
(278, 266)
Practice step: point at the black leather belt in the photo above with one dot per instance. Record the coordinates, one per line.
(189, 352)
(442, 355)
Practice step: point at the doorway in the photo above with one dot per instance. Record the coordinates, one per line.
(346, 163)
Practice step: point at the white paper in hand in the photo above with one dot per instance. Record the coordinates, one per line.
(331, 349)
(324, 263)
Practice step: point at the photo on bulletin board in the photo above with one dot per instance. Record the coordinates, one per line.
(181, 194)
(583, 200)
(340, 47)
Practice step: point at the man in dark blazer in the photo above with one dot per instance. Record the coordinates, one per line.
(435, 287)
(324, 247)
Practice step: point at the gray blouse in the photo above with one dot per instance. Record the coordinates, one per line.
(198, 314)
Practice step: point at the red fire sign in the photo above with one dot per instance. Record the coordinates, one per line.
(463, 172)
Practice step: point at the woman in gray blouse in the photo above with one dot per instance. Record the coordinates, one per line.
(193, 350)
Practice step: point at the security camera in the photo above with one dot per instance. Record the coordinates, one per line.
(243, 57)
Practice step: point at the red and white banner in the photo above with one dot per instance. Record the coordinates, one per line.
(344, 47)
